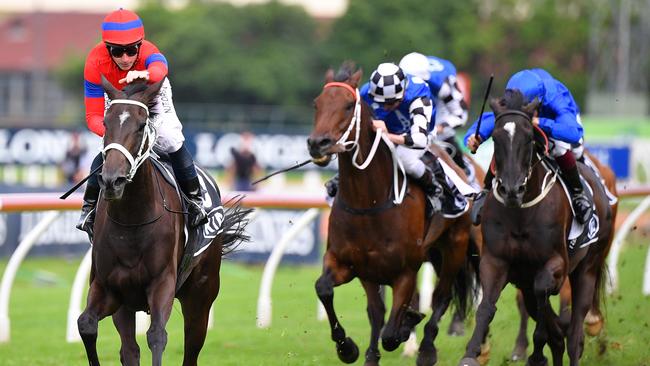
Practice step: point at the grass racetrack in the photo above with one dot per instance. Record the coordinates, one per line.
(41, 293)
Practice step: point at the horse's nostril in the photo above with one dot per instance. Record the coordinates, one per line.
(325, 142)
(501, 190)
(521, 189)
(119, 181)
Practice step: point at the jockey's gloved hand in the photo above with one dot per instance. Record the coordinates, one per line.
(133, 75)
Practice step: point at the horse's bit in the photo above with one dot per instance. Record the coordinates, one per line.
(147, 140)
(355, 122)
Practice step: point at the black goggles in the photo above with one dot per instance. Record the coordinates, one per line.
(119, 51)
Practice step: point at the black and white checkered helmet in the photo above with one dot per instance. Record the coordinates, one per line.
(387, 83)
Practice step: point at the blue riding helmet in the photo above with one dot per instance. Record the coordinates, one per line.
(529, 83)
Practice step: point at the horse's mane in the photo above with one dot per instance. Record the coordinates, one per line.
(345, 71)
(135, 87)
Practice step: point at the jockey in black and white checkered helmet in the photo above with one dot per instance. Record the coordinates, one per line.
(402, 106)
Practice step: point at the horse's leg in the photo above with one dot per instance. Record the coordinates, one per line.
(548, 281)
(160, 296)
(583, 284)
(196, 312)
(521, 343)
(376, 311)
(565, 306)
(394, 333)
(100, 304)
(494, 275)
(124, 321)
(335, 275)
(453, 259)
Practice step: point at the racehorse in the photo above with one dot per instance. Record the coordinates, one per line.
(594, 321)
(372, 237)
(139, 239)
(525, 225)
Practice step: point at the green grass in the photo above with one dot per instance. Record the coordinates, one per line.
(38, 311)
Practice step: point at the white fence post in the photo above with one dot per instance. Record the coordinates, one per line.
(12, 267)
(264, 299)
(76, 296)
(617, 244)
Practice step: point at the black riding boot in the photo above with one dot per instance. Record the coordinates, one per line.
(432, 188)
(87, 220)
(185, 172)
(196, 213)
(582, 205)
(479, 200)
(332, 186)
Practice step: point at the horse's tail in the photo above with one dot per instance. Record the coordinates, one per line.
(233, 227)
(467, 283)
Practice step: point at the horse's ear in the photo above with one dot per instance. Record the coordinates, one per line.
(329, 76)
(496, 105)
(111, 91)
(150, 93)
(531, 107)
(355, 78)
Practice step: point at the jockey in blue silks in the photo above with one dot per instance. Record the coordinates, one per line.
(402, 106)
(450, 107)
(559, 117)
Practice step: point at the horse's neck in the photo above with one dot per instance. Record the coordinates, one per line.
(140, 199)
(376, 180)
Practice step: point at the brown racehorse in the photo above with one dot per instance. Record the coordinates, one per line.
(594, 321)
(525, 231)
(370, 236)
(139, 240)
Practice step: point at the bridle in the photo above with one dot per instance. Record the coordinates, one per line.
(147, 141)
(549, 178)
(355, 122)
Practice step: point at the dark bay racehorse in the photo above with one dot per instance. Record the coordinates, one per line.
(139, 238)
(369, 235)
(525, 239)
(594, 321)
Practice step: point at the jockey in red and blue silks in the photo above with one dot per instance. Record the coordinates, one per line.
(122, 57)
(450, 107)
(559, 117)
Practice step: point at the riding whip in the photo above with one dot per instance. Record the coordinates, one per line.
(480, 116)
(283, 170)
(81, 182)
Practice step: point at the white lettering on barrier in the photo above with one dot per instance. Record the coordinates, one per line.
(267, 229)
(60, 232)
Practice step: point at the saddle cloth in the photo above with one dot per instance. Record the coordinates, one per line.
(198, 239)
(580, 235)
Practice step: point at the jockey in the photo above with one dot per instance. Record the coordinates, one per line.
(122, 57)
(559, 117)
(450, 108)
(402, 107)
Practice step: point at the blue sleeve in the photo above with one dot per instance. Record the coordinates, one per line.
(487, 126)
(564, 127)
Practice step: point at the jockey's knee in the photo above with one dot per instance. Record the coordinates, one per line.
(559, 148)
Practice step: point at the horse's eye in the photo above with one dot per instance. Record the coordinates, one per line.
(349, 106)
(141, 127)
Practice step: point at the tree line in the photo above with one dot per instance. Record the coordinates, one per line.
(276, 54)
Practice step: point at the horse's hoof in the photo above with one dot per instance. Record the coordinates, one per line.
(518, 354)
(347, 350)
(542, 362)
(427, 358)
(372, 358)
(594, 329)
(468, 362)
(390, 343)
(484, 357)
(456, 328)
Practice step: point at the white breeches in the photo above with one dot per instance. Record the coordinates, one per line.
(559, 148)
(169, 130)
(410, 158)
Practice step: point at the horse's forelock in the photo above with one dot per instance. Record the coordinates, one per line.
(513, 99)
(345, 71)
(135, 88)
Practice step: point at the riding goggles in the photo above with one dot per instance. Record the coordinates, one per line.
(119, 51)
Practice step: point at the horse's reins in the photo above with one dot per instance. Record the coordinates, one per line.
(547, 183)
(355, 122)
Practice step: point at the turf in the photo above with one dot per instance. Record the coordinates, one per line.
(41, 292)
